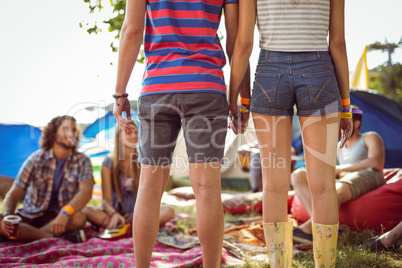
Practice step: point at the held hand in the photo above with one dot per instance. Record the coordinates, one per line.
(6, 228)
(345, 130)
(123, 105)
(59, 224)
(116, 220)
(238, 121)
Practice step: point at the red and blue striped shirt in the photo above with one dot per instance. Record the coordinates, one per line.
(182, 48)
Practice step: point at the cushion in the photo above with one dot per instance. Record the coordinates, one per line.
(242, 203)
(378, 210)
(185, 192)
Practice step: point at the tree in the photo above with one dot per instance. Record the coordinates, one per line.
(387, 79)
(113, 22)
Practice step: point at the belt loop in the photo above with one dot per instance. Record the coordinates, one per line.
(318, 55)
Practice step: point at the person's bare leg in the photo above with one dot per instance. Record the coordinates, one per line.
(392, 237)
(29, 233)
(205, 179)
(166, 213)
(153, 181)
(76, 222)
(300, 185)
(343, 193)
(274, 140)
(95, 215)
(320, 136)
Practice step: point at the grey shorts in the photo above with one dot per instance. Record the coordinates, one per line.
(363, 181)
(283, 79)
(204, 120)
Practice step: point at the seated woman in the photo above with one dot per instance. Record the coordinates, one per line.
(120, 174)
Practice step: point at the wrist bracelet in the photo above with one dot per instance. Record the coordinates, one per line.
(5, 213)
(352, 111)
(243, 105)
(345, 101)
(65, 213)
(346, 115)
(243, 108)
(125, 95)
(69, 209)
(245, 101)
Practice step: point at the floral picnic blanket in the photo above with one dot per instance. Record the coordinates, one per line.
(56, 252)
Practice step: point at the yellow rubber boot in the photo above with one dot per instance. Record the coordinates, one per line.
(279, 240)
(325, 239)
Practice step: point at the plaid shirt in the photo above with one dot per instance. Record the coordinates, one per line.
(36, 178)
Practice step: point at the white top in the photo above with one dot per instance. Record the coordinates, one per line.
(293, 25)
(356, 153)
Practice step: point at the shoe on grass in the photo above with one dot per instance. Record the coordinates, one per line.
(375, 245)
(301, 237)
(78, 236)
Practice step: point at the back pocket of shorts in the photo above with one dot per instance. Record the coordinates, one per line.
(265, 88)
(321, 87)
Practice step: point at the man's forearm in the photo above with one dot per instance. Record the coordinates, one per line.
(245, 84)
(9, 204)
(83, 195)
(128, 53)
(364, 164)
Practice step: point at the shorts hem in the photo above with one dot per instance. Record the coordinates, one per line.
(318, 112)
(162, 162)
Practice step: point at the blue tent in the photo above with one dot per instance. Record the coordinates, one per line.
(17, 142)
(383, 115)
(106, 124)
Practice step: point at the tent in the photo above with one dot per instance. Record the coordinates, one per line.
(98, 137)
(17, 142)
(383, 115)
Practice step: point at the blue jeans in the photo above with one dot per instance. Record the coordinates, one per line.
(306, 79)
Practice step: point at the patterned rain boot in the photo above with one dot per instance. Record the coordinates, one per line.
(279, 240)
(325, 239)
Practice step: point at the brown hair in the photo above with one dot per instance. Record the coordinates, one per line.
(117, 158)
(49, 133)
(356, 117)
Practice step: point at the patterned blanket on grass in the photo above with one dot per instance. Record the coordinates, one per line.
(53, 252)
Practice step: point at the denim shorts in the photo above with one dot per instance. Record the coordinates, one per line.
(204, 120)
(306, 79)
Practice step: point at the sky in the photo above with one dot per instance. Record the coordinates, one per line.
(49, 66)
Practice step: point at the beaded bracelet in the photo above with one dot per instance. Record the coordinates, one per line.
(125, 95)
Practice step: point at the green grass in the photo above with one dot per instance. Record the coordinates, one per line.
(346, 256)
